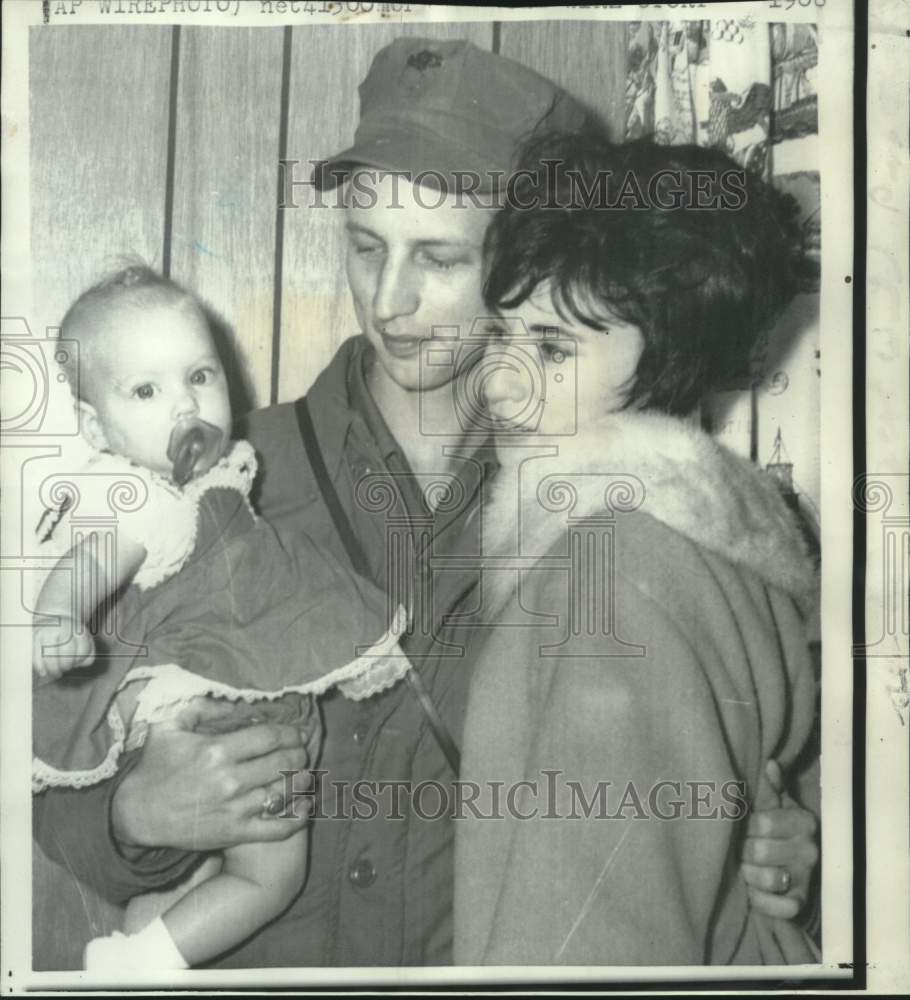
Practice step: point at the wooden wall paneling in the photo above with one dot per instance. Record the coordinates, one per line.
(225, 189)
(327, 65)
(98, 106)
(587, 58)
(99, 121)
(730, 417)
(789, 397)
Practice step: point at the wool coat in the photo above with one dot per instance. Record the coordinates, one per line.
(647, 656)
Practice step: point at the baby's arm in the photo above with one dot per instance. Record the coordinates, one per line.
(257, 882)
(74, 588)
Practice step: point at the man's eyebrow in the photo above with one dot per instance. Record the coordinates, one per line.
(354, 227)
(455, 244)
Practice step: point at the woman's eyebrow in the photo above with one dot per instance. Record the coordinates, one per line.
(551, 330)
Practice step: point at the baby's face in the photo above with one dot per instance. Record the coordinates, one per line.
(153, 367)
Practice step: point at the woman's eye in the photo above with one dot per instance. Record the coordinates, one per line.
(553, 351)
(367, 249)
(144, 391)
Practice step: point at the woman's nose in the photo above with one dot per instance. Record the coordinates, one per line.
(505, 378)
(397, 291)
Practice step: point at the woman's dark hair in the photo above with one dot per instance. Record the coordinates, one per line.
(678, 240)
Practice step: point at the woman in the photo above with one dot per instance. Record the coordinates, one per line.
(651, 657)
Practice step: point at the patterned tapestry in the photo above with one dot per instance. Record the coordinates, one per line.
(749, 88)
(745, 87)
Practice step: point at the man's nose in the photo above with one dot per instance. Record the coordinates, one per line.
(397, 291)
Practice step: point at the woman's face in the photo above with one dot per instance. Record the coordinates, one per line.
(549, 376)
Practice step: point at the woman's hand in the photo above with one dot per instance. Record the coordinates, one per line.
(197, 792)
(780, 854)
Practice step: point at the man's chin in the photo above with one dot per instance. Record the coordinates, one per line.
(409, 376)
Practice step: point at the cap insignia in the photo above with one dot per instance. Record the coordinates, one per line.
(422, 61)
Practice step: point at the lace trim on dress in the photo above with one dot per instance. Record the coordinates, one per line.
(170, 543)
(162, 517)
(235, 470)
(170, 688)
(46, 776)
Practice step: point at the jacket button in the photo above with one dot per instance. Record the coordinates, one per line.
(361, 731)
(362, 874)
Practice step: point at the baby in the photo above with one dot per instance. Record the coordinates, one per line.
(213, 618)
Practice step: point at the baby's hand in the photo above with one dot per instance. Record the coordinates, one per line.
(59, 648)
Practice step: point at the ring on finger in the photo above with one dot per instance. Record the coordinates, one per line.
(786, 879)
(273, 803)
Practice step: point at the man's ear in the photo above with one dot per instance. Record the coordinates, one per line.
(90, 426)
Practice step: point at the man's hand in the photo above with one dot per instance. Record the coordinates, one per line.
(780, 854)
(197, 792)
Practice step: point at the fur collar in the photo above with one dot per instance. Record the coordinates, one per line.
(665, 467)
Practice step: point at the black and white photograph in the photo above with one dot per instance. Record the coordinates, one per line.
(436, 498)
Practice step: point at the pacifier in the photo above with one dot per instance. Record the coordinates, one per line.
(193, 442)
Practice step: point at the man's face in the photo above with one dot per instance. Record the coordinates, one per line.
(411, 267)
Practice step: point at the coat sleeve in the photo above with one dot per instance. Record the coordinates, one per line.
(73, 827)
(637, 880)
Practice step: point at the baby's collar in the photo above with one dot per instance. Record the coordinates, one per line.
(235, 469)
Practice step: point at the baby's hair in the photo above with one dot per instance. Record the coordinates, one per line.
(134, 285)
(701, 283)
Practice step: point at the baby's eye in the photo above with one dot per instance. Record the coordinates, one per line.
(144, 391)
(201, 376)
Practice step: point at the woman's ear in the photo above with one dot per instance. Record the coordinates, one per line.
(91, 427)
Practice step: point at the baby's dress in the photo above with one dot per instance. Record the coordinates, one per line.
(219, 608)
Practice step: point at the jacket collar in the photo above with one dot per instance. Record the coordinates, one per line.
(347, 420)
(331, 405)
(665, 467)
